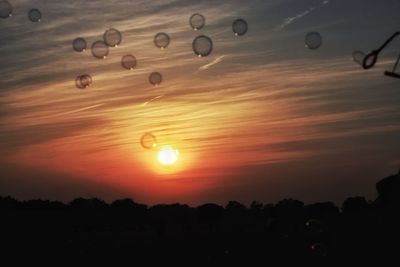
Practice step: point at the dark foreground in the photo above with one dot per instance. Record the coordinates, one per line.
(91, 231)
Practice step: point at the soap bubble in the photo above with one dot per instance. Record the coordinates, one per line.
(79, 45)
(358, 57)
(78, 82)
(6, 9)
(148, 141)
(99, 49)
(314, 226)
(319, 249)
(155, 78)
(34, 15)
(202, 46)
(112, 37)
(313, 40)
(161, 40)
(128, 62)
(239, 27)
(83, 81)
(197, 21)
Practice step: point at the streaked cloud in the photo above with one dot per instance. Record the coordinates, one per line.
(259, 101)
(290, 20)
(212, 63)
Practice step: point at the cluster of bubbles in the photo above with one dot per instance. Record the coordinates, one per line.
(101, 48)
(315, 230)
(6, 11)
(202, 45)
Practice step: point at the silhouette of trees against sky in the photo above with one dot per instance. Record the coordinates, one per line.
(288, 231)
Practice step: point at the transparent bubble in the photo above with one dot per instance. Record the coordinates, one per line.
(155, 78)
(6, 9)
(161, 40)
(99, 49)
(358, 57)
(34, 15)
(112, 37)
(79, 45)
(314, 226)
(128, 62)
(148, 141)
(313, 40)
(239, 27)
(319, 249)
(83, 81)
(202, 46)
(197, 21)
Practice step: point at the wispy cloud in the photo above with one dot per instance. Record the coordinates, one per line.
(212, 63)
(287, 21)
(258, 99)
(153, 99)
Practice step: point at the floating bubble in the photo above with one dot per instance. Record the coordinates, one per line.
(161, 40)
(128, 62)
(197, 21)
(155, 78)
(319, 249)
(313, 40)
(112, 37)
(314, 226)
(79, 44)
(358, 57)
(6, 9)
(239, 27)
(86, 80)
(78, 82)
(148, 141)
(34, 15)
(83, 81)
(202, 46)
(99, 49)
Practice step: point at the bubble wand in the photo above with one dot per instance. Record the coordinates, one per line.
(393, 72)
(370, 59)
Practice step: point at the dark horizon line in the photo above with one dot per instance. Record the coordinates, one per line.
(382, 186)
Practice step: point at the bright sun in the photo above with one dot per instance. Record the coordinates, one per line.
(168, 155)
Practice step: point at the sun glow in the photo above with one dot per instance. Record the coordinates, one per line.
(168, 156)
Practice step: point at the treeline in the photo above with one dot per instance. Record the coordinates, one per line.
(209, 234)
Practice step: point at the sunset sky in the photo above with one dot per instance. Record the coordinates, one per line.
(261, 118)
